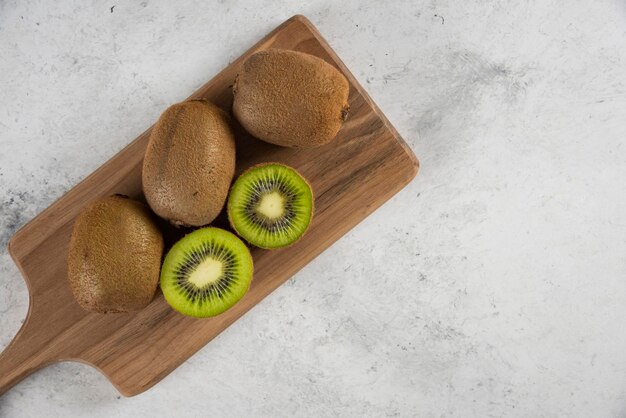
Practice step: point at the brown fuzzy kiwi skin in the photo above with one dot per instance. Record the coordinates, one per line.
(189, 163)
(290, 98)
(114, 256)
(232, 224)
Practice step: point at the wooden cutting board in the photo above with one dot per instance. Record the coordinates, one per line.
(356, 173)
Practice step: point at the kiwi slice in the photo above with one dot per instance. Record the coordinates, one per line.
(206, 272)
(270, 206)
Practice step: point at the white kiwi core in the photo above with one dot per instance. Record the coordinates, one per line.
(271, 205)
(208, 271)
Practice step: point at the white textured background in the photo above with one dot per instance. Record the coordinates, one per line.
(493, 285)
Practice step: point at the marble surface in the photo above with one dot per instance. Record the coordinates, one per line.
(493, 285)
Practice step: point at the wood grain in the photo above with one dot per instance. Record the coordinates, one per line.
(362, 168)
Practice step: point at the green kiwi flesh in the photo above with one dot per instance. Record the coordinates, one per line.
(270, 206)
(206, 272)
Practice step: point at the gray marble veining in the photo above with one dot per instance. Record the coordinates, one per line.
(493, 285)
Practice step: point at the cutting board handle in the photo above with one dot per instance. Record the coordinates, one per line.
(20, 359)
(29, 350)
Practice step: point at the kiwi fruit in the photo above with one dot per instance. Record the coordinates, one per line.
(206, 272)
(189, 163)
(290, 98)
(270, 206)
(114, 256)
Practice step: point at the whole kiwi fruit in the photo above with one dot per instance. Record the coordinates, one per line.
(290, 98)
(114, 256)
(189, 163)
